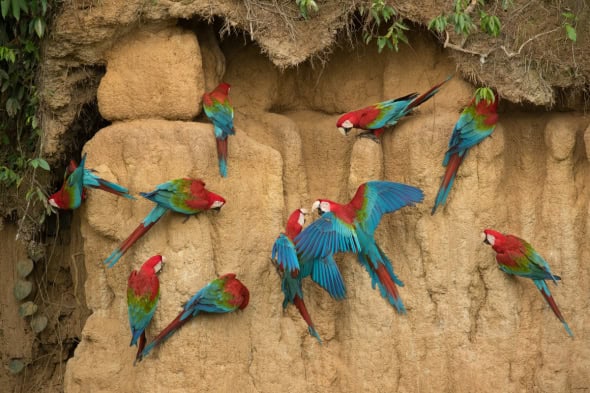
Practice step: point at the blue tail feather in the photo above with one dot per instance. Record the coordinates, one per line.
(222, 167)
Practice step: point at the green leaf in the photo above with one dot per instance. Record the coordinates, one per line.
(12, 106)
(5, 4)
(570, 31)
(16, 9)
(568, 15)
(39, 26)
(43, 164)
(484, 94)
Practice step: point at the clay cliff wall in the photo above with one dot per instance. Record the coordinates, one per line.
(469, 327)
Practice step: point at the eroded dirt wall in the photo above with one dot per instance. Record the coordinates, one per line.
(469, 327)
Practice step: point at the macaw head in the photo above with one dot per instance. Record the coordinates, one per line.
(53, 200)
(240, 294)
(223, 88)
(154, 264)
(295, 222)
(215, 201)
(493, 238)
(57, 200)
(322, 206)
(346, 122)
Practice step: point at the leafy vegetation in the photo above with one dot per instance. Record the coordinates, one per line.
(307, 6)
(484, 94)
(24, 25)
(462, 21)
(378, 12)
(569, 24)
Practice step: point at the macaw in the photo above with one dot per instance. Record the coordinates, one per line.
(477, 122)
(76, 180)
(220, 111)
(324, 272)
(517, 257)
(186, 196)
(222, 295)
(351, 228)
(376, 117)
(143, 293)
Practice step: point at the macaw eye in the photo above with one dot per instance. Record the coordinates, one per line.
(325, 207)
(347, 125)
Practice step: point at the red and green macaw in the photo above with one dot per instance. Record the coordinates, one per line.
(376, 117)
(351, 228)
(324, 272)
(477, 122)
(220, 111)
(222, 295)
(143, 293)
(517, 257)
(186, 196)
(76, 180)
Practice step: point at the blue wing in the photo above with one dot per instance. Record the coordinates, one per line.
(375, 198)
(284, 253)
(467, 133)
(222, 117)
(326, 236)
(325, 272)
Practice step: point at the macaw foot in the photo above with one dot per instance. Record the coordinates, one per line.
(186, 219)
(370, 136)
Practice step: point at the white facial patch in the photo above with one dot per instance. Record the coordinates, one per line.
(301, 219)
(347, 124)
(158, 267)
(325, 206)
(216, 204)
(52, 203)
(491, 239)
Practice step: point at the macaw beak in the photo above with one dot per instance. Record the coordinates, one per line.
(485, 238)
(344, 131)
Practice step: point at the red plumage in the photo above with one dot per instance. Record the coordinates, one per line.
(386, 280)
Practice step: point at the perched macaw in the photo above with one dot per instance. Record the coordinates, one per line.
(187, 196)
(517, 257)
(376, 117)
(222, 295)
(143, 293)
(220, 111)
(477, 122)
(351, 228)
(76, 180)
(324, 272)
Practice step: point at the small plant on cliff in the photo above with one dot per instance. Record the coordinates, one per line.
(462, 22)
(379, 13)
(569, 24)
(23, 25)
(307, 6)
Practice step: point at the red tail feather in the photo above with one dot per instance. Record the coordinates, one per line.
(108, 189)
(387, 281)
(168, 330)
(140, 346)
(303, 311)
(553, 305)
(135, 235)
(452, 168)
(222, 149)
(426, 96)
